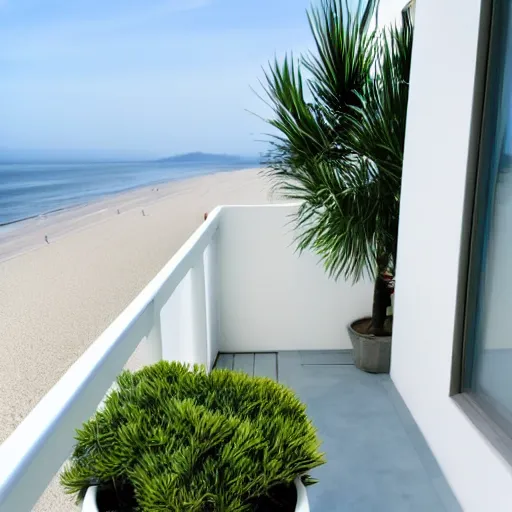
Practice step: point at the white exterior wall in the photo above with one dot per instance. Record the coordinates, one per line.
(273, 299)
(390, 11)
(435, 171)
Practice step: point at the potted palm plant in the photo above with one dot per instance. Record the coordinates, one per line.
(338, 119)
(180, 439)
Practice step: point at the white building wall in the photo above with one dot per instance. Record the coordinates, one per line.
(434, 179)
(273, 299)
(390, 11)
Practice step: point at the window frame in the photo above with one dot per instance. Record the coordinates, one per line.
(479, 198)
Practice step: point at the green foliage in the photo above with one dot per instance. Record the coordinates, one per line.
(340, 136)
(186, 440)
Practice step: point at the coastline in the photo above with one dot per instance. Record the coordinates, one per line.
(191, 174)
(24, 235)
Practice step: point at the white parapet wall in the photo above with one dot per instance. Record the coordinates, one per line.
(272, 298)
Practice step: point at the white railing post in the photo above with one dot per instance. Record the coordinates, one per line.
(199, 325)
(149, 350)
(211, 270)
(154, 338)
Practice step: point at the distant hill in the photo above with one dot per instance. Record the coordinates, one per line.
(210, 158)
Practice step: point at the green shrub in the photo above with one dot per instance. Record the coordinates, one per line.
(180, 439)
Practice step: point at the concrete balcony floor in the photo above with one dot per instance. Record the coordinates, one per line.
(377, 459)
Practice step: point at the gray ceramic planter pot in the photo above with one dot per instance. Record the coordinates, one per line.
(371, 353)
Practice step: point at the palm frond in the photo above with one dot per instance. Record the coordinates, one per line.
(340, 154)
(302, 132)
(344, 56)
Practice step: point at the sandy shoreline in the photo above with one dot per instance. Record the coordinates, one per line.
(57, 297)
(26, 235)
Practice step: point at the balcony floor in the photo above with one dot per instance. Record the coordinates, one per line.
(377, 459)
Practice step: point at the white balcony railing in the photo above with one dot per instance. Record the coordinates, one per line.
(36, 450)
(236, 285)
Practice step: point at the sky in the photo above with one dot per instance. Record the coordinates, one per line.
(155, 77)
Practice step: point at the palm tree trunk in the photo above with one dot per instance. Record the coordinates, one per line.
(381, 302)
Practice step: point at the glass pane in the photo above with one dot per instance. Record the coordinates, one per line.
(491, 377)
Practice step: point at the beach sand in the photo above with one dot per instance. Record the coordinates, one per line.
(56, 297)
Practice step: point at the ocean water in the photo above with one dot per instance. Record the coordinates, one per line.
(31, 189)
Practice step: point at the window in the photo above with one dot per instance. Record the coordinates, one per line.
(488, 352)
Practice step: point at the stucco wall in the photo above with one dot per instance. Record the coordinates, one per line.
(273, 299)
(434, 180)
